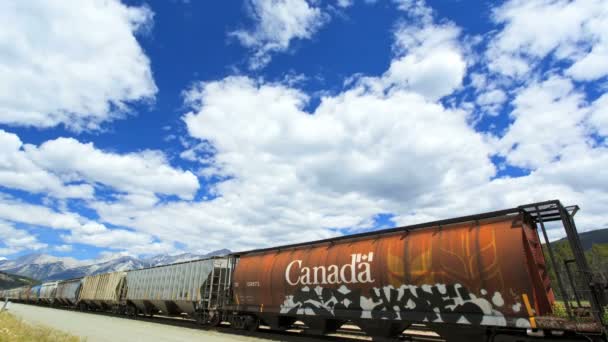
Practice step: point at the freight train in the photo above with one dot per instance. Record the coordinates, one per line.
(475, 278)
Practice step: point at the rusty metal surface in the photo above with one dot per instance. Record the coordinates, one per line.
(474, 272)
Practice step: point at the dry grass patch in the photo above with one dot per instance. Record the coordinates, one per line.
(13, 329)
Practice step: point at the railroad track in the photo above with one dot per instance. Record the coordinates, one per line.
(297, 332)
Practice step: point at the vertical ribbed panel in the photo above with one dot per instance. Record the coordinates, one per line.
(47, 290)
(177, 282)
(102, 287)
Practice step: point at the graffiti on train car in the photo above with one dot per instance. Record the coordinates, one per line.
(447, 303)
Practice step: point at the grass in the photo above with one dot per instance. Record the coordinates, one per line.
(13, 329)
(559, 309)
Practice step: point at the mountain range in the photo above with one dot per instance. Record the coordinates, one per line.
(9, 281)
(588, 239)
(46, 267)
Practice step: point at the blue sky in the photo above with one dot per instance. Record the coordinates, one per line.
(147, 127)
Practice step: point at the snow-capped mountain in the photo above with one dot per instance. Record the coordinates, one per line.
(46, 267)
(38, 266)
(119, 264)
(164, 259)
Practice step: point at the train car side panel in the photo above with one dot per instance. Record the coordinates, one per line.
(67, 291)
(102, 290)
(172, 289)
(47, 292)
(473, 273)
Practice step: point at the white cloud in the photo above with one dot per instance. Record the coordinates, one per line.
(295, 174)
(289, 175)
(78, 66)
(109, 238)
(78, 229)
(18, 171)
(432, 61)
(416, 8)
(373, 139)
(491, 97)
(599, 115)
(143, 173)
(55, 165)
(277, 23)
(548, 117)
(345, 3)
(430, 58)
(51, 169)
(491, 101)
(572, 31)
(15, 240)
(63, 248)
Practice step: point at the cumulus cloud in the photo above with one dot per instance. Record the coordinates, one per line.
(78, 66)
(15, 240)
(573, 31)
(55, 165)
(276, 24)
(73, 227)
(429, 56)
(381, 145)
(432, 61)
(65, 168)
(367, 133)
(293, 175)
(144, 173)
(599, 115)
(547, 117)
(491, 101)
(18, 171)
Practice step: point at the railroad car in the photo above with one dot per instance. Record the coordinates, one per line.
(47, 293)
(486, 272)
(102, 291)
(68, 291)
(472, 278)
(23, 293)
(11, 294)
(33, 294)
(17, 294)
(172, 289)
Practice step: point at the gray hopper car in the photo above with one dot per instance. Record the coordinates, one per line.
(171, 289)
(68, 291)
(47, 293)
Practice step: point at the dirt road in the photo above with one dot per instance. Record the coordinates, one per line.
(105, 328)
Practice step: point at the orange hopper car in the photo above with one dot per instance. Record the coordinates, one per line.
(479, 272)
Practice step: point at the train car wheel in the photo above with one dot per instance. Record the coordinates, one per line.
(215, 319)
(251, 323)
